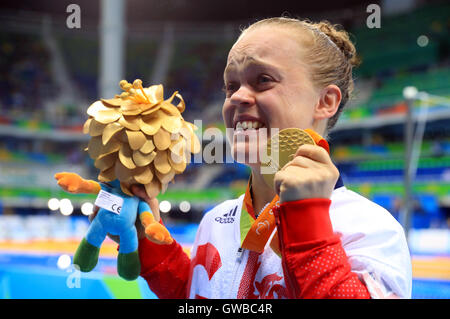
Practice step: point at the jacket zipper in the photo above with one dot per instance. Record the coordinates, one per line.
(237, 265)
(239, 254)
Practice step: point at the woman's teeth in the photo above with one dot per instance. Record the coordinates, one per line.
(245, 125)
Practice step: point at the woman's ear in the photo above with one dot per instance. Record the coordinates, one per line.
(328, 103)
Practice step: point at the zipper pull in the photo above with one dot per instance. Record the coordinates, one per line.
(239, 253)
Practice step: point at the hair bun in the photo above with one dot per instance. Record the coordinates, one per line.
(341, 38)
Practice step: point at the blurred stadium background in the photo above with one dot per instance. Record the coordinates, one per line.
(50, 74)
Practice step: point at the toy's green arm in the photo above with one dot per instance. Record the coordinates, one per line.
(74, 183)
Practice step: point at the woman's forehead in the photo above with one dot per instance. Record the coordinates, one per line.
(271, 46)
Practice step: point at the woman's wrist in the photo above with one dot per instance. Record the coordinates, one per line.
(305, 220)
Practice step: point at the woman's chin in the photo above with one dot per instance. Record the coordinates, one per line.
(246, 154)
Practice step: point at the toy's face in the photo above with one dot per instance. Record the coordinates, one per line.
(140, 138)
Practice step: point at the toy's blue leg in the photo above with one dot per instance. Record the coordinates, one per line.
(128, 264)
(86, 256)
(96, 233)
(129, 211)
(128, 241)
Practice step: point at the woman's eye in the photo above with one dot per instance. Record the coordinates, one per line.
(230, 87)
(264, 79)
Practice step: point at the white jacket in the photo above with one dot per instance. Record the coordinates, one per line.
(373, 240)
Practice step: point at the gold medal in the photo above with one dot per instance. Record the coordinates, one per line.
(281, 149)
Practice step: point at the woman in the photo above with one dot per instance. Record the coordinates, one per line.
(330, 242)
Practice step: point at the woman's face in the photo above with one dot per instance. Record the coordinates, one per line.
(267, 84)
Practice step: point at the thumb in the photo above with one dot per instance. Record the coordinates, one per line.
(154, 206)
(140, 192)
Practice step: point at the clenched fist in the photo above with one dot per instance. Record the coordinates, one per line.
(311, 174)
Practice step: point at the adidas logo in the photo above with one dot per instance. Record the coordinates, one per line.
(227, 218)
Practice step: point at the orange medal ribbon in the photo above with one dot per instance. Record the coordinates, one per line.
(262, 228)
(256, 232)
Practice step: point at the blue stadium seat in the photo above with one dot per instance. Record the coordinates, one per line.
(429, 203)
(384, 200)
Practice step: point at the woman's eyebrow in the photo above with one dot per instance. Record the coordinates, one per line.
(228, 69)
(249, 63)
(258, 64)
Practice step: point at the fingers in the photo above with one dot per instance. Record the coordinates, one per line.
(61, 178)
(158, 234)
(68, 186)
(314, 152)
(65, 175)
(301, 161)
(65, 185)
(59, 175)
(70, 182)
(154, 206)
(288, 177)
(310, 174)
(309, 156)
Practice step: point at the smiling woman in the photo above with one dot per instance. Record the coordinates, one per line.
(329, 59)
(306, 235)
(284, 73)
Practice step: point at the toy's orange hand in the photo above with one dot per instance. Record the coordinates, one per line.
(154, 231)
(70, 182)
(73, 183)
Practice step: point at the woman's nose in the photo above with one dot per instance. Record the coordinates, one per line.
(243, 96)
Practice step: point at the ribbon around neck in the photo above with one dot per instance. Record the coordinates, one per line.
(256, 232)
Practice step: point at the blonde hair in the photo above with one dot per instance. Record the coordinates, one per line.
(330, 54)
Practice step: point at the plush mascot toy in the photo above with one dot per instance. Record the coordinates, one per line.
(136, 138)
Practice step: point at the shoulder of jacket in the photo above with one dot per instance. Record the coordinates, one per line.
(350, 209)
(373, 240)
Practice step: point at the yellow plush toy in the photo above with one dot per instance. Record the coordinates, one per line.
(136, 138)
